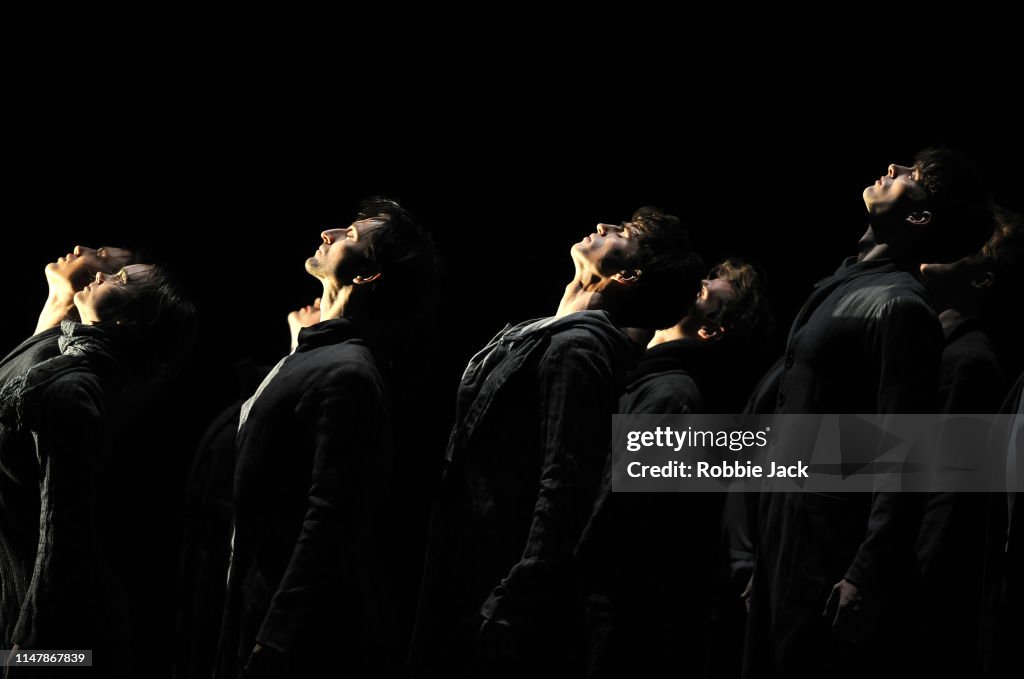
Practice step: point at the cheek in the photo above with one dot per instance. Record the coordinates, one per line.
(108, 300)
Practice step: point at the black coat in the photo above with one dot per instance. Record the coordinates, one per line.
(56, 590)
(526, 457)
(866, 341)
(32, 351)
(314, 458)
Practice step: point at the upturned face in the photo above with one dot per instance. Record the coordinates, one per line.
(101, 299)
(78, 267)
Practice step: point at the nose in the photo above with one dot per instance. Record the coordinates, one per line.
(100, 277)
(331, 235)
(899, 170)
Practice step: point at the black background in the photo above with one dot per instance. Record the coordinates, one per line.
(231, 179)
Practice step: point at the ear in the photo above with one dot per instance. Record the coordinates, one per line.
(360, 280)
(710, 333)
(920, 218)
(983, 280)
(627, 277)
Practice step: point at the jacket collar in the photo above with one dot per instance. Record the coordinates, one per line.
(334, 331)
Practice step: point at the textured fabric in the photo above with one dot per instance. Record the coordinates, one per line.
(81, 348)
(32, 351)
(313, 463)
(55, 589)
(526, 457)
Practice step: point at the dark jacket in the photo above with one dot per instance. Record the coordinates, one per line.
(866, 341)
(56, 591)
(313, 459)
(526, 457)
(32, 351)
(951, 542)
(640, 547)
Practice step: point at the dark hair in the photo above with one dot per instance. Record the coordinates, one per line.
(1003, 255)
(960, 204)
(406, 258)
(1005, 248)
(670, 271)
(155, 325)
(748, 316)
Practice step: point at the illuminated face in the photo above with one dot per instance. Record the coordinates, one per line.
(610, 249)
(78, 267)
(898, 193)
(344, 253)
(103, 298)
(714, 294)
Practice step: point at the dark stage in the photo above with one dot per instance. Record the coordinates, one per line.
(234, 201)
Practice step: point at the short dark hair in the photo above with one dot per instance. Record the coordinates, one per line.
(748, 316)
(959, 201)
(406, 257)
(156, 326)
(670, 271)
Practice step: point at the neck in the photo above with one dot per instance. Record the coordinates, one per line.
(580, 297)
(55, 310)
(336, 301)
(950, 317)
(899, 245)
(676, 332)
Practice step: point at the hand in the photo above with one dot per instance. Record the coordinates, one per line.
(495, 641)
(265, 663)
(303, 318)
(843, 607)
(9, 670)
(747, 591)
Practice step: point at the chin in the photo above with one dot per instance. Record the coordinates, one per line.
(868, 195)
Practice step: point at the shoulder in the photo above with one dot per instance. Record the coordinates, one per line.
(580, 348)
(344, 363)
(662, 393)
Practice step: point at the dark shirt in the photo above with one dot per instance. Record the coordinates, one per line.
(951, 543)
(663, 382)
(640, 548)
(971, 380)
(314, 455)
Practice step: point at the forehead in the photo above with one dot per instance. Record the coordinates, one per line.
(369, 224)
(721, 287)
(137, 271)
(114, 251)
